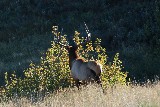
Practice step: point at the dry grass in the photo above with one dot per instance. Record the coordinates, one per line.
(92, 96)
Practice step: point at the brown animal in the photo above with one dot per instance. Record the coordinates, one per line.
(80, 69)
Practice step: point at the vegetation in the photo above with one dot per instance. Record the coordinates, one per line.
(92, 96)
(129, 28)
(53, 71)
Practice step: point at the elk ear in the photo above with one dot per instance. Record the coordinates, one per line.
(76, 47)
(67, 48)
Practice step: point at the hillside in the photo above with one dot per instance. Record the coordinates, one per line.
(129, 27)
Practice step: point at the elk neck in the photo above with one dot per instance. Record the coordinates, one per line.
(73, 55)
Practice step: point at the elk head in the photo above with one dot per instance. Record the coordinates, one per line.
(70, 47)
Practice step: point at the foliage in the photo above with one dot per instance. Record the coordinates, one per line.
(120, 25)
(53, 71)
(112, 71)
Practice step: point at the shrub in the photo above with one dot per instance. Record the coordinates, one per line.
(53, 71)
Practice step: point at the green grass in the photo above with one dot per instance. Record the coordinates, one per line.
(17, 55)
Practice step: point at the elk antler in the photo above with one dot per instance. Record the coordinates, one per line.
(58, 36)
(88, 38)
(87, 30)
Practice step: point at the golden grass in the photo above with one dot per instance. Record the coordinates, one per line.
(93, 96)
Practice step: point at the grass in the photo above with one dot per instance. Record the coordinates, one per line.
(26, 35)
(92, 96)
(18, 54)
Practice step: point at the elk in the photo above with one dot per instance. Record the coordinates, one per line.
(81, 70)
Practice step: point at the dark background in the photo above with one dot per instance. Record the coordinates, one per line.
(130, 27)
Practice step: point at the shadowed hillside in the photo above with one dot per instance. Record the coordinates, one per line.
(129, 27)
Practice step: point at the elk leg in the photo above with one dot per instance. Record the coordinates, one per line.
(77, 83)
(98, 80)
(96, 77)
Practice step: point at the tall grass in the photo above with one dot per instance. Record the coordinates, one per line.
(92, 96)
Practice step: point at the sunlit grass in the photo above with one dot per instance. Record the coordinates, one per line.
(93, 96)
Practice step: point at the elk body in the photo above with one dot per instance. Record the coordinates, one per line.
(81, 70)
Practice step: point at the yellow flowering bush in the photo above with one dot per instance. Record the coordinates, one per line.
(53, 70)
(112, 71)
